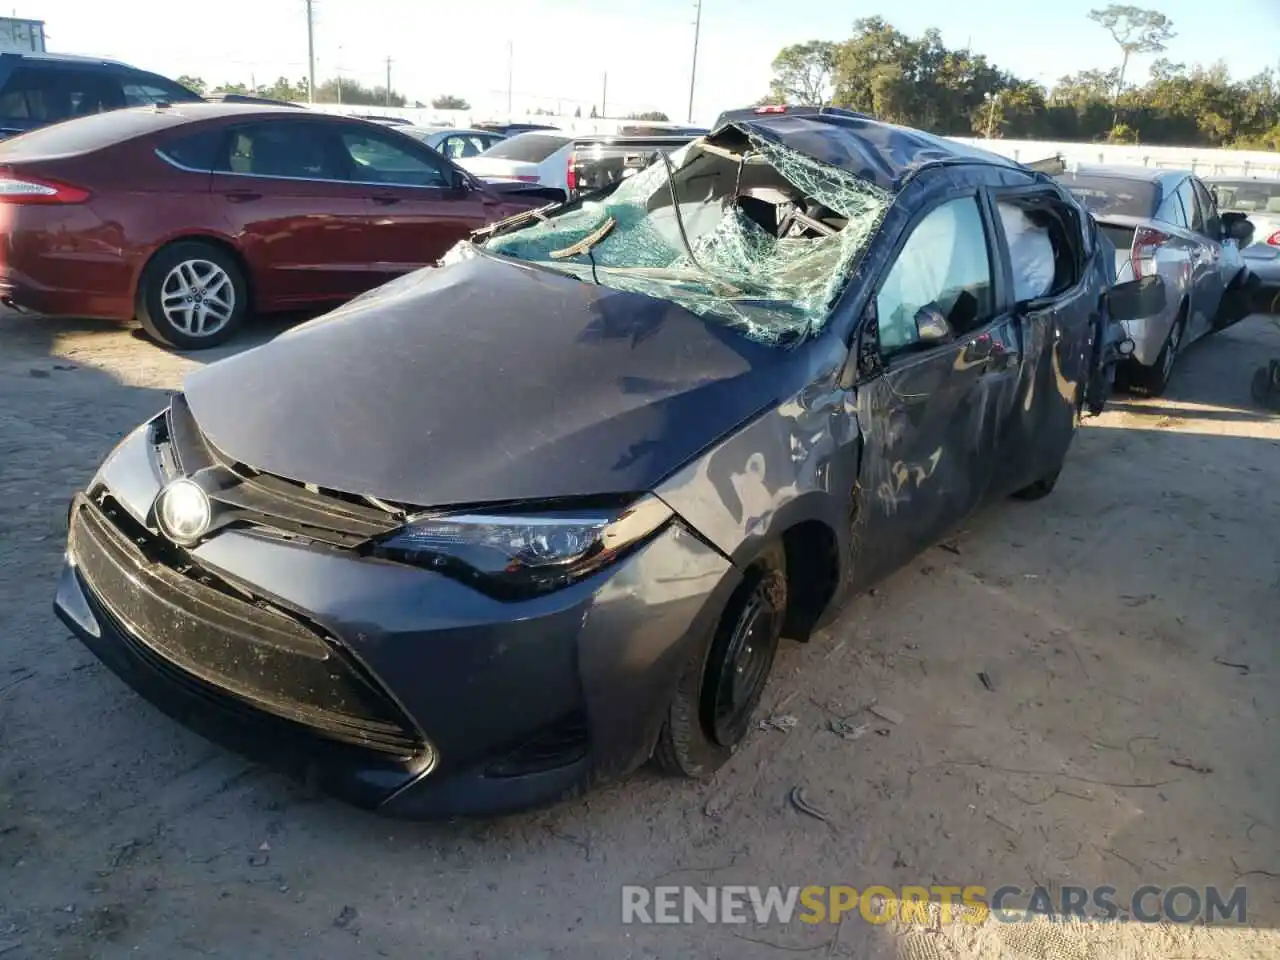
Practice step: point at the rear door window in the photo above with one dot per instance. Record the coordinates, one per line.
(298, 151)
(1212, 222)
(462, 145)
(1194, 213)
(1172, 211)
(48, 95)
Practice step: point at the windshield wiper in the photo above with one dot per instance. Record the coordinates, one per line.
(586, 243)
(516, 220)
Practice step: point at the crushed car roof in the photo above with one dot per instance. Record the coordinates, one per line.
(880, 152)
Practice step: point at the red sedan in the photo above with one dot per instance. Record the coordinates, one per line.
(192, 216)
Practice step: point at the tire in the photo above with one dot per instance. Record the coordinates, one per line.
(1154, 380)
(695, 740)
(205, 291)
(1038, 490)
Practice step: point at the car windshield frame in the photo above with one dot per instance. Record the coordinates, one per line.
(776, 275)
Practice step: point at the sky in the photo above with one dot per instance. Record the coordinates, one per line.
(562, 53)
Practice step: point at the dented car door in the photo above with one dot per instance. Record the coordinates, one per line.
(1056, 304)
(934, 418)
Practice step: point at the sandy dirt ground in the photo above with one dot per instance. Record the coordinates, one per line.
(1114, 744)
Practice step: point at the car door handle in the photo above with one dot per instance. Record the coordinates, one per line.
(242, 196)
(978, 350)
(384, 199)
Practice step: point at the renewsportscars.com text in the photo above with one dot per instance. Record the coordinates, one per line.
(918, 904)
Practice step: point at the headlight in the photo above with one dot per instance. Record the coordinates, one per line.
(516, 555)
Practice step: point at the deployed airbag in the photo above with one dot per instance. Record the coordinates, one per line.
(1030, 251)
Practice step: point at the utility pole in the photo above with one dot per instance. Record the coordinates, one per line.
(388, 81)
(511, 56)
(604, 96)
(338, 72)
(693, 70)
(311, 55)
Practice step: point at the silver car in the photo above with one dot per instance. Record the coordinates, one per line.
(455, 143)
(1164, 222)
(1258, 199)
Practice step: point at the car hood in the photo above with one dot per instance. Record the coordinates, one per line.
(486, 381)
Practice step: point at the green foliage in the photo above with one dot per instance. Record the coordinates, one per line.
(346, 90)
(656, 115)
(448, 101)
(920, 82)
(802, 73)
(194, 84)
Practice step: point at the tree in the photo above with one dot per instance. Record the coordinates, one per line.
(578, 113)
(347, 91)
(656, 115)
(594, 115)
(920, 82)
(448, 101)
(1136, 31)
(803, 73)
(283, 89)
(194, 84)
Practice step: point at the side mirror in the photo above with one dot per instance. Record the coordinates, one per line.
(1237, 227)
(1137, 298)
(931, 325)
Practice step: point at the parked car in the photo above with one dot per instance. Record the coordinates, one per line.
(456, 143)
(1257, 199)
(597, 161)
(495, 532)
(190, 216)
(224, 97)
(380, 118)
(747, 114)
(1166, 222)
(42, 88)
(541, 158)
(511, 129)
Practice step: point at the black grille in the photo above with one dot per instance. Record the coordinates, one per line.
(249, 497)
(232, 646)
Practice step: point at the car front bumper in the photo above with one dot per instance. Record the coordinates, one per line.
(392, 687)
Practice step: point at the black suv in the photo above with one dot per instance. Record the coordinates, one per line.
(41, 88)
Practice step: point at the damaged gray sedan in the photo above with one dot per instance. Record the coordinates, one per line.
(497, 531)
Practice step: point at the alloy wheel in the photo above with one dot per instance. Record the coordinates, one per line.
(198, 298)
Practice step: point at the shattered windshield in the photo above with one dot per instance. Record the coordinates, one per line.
(750, 232)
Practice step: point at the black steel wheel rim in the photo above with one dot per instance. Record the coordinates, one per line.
(742, 671)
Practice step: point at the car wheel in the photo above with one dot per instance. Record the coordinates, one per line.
(192, 295)
(1038, 490)
(720, 687)
(1154, 380)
